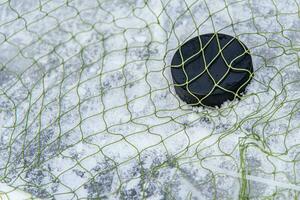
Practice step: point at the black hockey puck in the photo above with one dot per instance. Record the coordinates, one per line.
(211, 69)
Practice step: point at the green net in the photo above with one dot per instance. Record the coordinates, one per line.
(88, 108)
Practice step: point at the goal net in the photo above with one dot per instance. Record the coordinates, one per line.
(88, 108)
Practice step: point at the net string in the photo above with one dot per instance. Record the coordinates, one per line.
(88, 108)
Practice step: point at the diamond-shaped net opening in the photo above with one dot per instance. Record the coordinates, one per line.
(88, 108)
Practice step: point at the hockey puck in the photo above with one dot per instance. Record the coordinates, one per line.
(211, 69)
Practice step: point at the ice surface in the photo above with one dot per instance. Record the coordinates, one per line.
(88, 110)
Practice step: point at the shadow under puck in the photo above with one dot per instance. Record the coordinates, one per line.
(211, 69)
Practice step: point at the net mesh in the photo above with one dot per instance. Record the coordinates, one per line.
(88, 108)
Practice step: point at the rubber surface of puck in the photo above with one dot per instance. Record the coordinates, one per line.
(211, 69)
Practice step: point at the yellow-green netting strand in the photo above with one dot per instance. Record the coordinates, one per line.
(88, 108)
